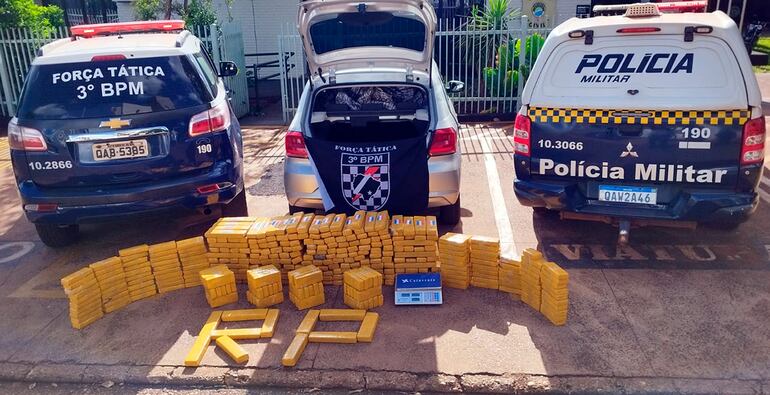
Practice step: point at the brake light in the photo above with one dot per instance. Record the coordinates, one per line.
(444, 142)
(126, 27)
(683, 6)
(216, 119)
(521, 136)
(107, 58)
(639, 30)
(25, 139)
(753, 150)
(295, 145)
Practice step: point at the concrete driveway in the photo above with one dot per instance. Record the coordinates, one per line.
(675, 311)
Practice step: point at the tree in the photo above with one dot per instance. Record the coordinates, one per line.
(27, 14)
(147, 10)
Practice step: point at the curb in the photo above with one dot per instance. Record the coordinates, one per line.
(217, 376)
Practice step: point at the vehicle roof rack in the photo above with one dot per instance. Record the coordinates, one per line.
(106, 29)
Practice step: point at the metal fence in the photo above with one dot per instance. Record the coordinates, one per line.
(75, 17)
(18, 48)
(493, 64)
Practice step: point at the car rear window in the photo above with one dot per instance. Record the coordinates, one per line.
(111, 88)
(641, 73)
(371, 98)
(379, 29)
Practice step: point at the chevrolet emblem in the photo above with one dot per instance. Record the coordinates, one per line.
(115, 123)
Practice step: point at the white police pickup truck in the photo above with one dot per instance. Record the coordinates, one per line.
(644, 118)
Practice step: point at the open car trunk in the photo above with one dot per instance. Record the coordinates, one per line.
(375, 114)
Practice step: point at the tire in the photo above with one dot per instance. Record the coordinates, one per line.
(450, 215)
(237, 207)
(57, 236)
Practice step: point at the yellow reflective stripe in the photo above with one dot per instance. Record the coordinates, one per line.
(663, 117)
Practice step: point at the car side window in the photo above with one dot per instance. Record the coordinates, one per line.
(203, 61)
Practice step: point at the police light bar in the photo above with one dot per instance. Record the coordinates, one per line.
(651, 9)
(102, 29)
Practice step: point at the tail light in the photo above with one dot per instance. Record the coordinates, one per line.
(25, 139)
(108, 58)
(521, 137)
(444, 142)
(41, 207)
(211, 188)
(216, 119)
(753, 150)
(295, 145)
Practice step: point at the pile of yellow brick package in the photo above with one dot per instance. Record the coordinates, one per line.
(166, 267)
(228, 244)
(415, 244)
(363, 288)
(84, 296)
(112, 284)
(455, 260)
(306, 287)
(322, 248)
(485, 259)
(136, 266)
(219, 285)
(265, 286)
(194, 257)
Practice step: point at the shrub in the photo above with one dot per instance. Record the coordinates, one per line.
(147, 10)
(27, 14)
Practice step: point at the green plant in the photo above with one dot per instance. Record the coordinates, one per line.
(200, 13)
(147, 10)
(26, 14)
(500, 82)
(503, 79)
(495, 20)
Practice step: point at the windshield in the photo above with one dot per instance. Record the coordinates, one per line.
(377, 29)
(111, 88)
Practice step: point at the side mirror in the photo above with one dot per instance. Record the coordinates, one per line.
(455, 86)
(227, 69)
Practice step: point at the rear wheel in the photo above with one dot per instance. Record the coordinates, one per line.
(56, 236)
(450, 215)
(237, 207)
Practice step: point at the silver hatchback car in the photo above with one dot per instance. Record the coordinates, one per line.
(373, 79)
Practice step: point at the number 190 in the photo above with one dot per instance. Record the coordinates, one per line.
(696, 133)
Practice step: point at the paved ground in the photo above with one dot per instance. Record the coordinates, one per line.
(674, 311)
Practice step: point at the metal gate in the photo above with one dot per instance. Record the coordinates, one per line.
(18, 48)
(225, 43)
(493, 63)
